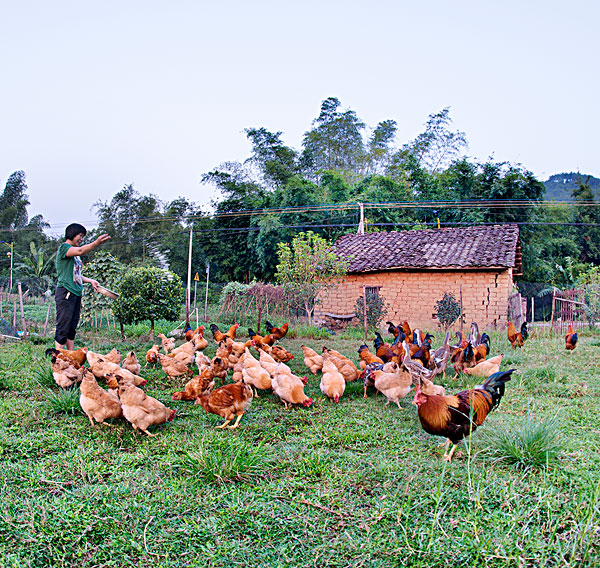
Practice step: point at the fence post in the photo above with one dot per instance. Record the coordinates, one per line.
(22, 310)
(365, 308)
(47, 316)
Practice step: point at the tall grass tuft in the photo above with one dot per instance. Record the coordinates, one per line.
(532, 444)
(64, 401)
(43, 376)
(225, 461)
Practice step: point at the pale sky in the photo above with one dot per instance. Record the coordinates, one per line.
(96, 95)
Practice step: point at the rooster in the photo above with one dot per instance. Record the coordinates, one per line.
(219, 336)
(383, 350)
(517, 338)
(570, 339)
(277, 332)
(75, 358)
(457, 416)
(258, 340)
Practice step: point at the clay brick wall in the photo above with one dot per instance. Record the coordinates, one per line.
(411, 295)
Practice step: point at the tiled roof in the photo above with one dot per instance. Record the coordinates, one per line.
(468, 247)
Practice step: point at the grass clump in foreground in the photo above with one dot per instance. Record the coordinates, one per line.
(531, 444)
(64, 401)
(337, 485)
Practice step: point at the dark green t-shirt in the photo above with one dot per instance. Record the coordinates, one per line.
(68, 269)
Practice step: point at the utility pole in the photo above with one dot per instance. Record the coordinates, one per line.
(189, 280)
(361, 223)
(206, 297)
(11, 255)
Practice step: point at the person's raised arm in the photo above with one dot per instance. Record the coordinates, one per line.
(78, 251)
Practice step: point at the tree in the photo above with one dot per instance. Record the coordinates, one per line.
(14, 202)
(105, 268)
(34, 266)
(447, 310)
(438, 146)
(588, 215)
(148, 293)
(335, 142)
(306, 267)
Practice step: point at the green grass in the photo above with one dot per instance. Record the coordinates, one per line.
(352, 484)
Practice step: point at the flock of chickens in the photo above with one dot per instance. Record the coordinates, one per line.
(392, 369)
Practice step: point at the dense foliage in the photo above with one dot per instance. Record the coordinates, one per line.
(447, 310)
(376, 309)
(147, 294)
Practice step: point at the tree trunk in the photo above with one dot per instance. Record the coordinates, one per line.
(151, 330)
(122, 331)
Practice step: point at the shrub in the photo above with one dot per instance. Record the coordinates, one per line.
(148, 294)
(447, 310)
(376, 309)
(64, 401)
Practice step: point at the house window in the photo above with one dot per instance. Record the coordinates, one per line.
(372, 290)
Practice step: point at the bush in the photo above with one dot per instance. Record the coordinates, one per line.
(376, 309)
(148, 294)
(447, 310)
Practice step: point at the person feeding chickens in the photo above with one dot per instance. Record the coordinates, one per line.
(70, 283)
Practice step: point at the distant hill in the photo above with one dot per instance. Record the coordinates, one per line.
(559, 186)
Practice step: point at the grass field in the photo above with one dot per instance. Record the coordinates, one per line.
(353, 484)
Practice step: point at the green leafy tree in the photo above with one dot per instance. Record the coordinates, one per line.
(306, 267)
(38, 266)
(587, 214)
(335, 142)
(107, 270)
(447, 310)
(14, 202)
(146, 294)
(376, 309)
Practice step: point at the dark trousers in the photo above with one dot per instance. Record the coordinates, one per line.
(68, 308)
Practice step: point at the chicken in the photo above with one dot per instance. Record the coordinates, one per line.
(475, 338)
(113, 356)
(152, 355)
(194, 388)
(191, 333)
(274, 367)
(280, 354)
(570, 339)
(174, 368)
(131, 363)
(483, 348)
(259, 339)
(237, 370)
(97, 403)
(201, 360)
(428, 387)
(102, 368)
(312, 359)
(289, 388)
(393, 383)
(76, 358)
(254, 375)
(199, 341)
(485, 368)
(333, 383)
(438, 360)
(277, 332)
(422, 353)
(384, 350)
(393, 330)
(517, 338)
(416, 369)
(367, 357)
(227, 401)
(344, 365)
(168, 343)
(457, 416)
(184, 353)
(219, 368)
(65, 373)
(407, 332)
(141, 410)
(465, 358)
(219, 336)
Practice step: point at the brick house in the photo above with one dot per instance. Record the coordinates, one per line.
(413, 269)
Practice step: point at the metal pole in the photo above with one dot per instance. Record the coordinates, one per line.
(22, 310)
(11, 268)
(206, 297)
(365, 308)
(189, 280)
